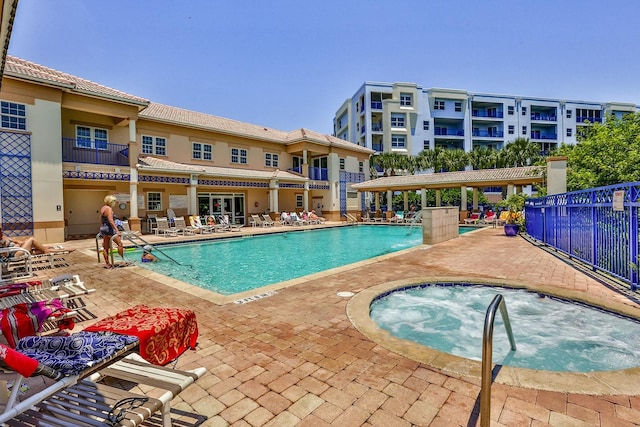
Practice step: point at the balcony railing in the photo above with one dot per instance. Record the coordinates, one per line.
(538, 135)
(489, 134)
(449, 132)
(544, 117)
(94, 152)
(582, 119)
(376, 105)
(376, 128)
(296, 170)
(318, 174)
(490, 114)
(377, 147)
(363, 129)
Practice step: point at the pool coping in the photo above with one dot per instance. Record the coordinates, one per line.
(625, 381)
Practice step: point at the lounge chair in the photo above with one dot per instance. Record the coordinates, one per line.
(171, 216)
(181, 226)
(490, 218)
(198, 227)
(285, 219)
(16, 263)
(256, 221)
(266, 219)
(473, 218)
(296, 220)
(164, 229)
(228, 226)
(398, 217)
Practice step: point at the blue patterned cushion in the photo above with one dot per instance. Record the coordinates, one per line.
(74, 353)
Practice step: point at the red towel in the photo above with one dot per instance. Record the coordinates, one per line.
(24, 365)
(26, 319)
(164, 333)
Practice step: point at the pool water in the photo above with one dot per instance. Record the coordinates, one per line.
(550, 334)
(233, 265)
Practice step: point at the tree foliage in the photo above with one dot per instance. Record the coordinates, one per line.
(608, 153)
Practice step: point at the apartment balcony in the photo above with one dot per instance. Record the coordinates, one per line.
(488, 134)
(448, 132)
(540, 135)
(376, 128)
(488, 114)
(378, 147)
(363, 129)
(94, 152)
(544, 117)
(296, 170)
(582, 119)
(376, 105)
(318, 174)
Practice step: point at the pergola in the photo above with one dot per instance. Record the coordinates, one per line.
(512, 178)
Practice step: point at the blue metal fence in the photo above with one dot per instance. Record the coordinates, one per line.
(585, 226)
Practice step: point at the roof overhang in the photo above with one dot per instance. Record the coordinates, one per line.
(475, 178)
(6, 25)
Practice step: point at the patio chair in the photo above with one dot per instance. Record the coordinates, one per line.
(490, 218)
(163, 228)
(267, 221)
(171, 216)
(256, 221)
(473, 218)
(398, 217)
(181, 226)
(16, 263)
(224, 220)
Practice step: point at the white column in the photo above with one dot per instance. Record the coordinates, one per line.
(305, 197)
(438, 198)
(132, 131)
(273, 195)
(423, 192)
(389, 201)
(133, 193)
(377, 200)
(463, 198)
(406, 200)
(192, 195)
(509, 190)
(475, 198)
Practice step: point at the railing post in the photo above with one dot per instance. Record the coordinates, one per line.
(633, 239)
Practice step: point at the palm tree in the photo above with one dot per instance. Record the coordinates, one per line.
(522, 152)
(430, 159)
(390, 162)
(483, 158)
(454, 160)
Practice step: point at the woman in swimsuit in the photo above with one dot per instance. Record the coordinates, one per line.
(108, 229)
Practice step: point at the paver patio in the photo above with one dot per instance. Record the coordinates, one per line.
(295, 358)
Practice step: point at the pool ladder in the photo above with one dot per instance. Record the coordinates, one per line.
(487, 351)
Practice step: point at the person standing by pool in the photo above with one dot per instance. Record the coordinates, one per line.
(109, 229)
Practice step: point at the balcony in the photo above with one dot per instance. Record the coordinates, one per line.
(318, 174)
(488, 134)
(544, 117)
(539, 135)
(448, 132)
(378, 147)
(94, 152)
(582, 119)
(296, 170)
(363, 129)
(376, 105)
(489, 114)
(376, 128)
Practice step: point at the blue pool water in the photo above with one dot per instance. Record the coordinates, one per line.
(229, 266)
(551, 334)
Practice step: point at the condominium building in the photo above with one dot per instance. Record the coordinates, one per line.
(408, 118)
(67, 142)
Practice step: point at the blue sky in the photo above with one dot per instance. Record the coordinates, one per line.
(290, 64)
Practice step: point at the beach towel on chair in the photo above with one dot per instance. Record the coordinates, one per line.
(74, 353)
(25, 319)
(164, 333)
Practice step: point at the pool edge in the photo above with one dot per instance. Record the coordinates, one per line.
(625, 381)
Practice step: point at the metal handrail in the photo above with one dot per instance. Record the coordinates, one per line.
(487, 352)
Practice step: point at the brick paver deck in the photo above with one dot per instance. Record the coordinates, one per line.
(295, 359)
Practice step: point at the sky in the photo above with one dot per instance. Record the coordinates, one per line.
(290, 64)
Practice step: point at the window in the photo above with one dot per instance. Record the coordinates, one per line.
(425, 125)
(524, 111)
(271, 160)
(458, 106)
(299, 200)
(569, 113)
(405, 99)
(14, 116)
(524, 130)
(154, 201)
(341, 164)
(398, 141)
(397, 120)
(512, 129)
(239, 155)
(202, 151)
(360, 167)
(510, 110)
(426, 145)
(569, 132)
(438, 105)
(88, 137)
(154, 145)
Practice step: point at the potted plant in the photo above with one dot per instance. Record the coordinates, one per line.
(514, 219)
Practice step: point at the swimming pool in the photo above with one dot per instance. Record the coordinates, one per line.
(551, 334)
(229, 266)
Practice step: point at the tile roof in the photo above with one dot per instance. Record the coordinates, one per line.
(20, 68)
(486, 177)
(152, 164)
(182, 117)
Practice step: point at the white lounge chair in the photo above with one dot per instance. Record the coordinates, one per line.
(181, 226)
(224, 220)
(267, 221)
(164, 229)
(256, 221)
